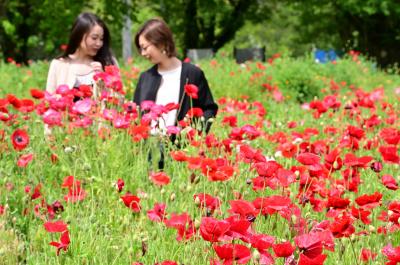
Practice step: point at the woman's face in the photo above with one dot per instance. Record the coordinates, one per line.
(93, 41)
(151, 51)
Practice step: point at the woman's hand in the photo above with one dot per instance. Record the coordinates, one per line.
(97, 67)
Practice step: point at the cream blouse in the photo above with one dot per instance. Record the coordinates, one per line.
(64, 72)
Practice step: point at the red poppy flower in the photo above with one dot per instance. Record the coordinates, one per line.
(355, 132)
(351, 160)
(19, 139)
(139, 132)
(309, 245)
(262, 242)
(283, 250)
(212, 229)
(333, 161)
(244, 209)
(131, 201)
(361, 214)
(389, 154)
(86, 91)
(376, 166)
(157, 214)
(36, 93)
(207, 201)
(342, 226)
(305, 260)
(216, 169)
(55, 227)
(120, 185)
(389, 182)
(160, 178)
(183, 224)
(308, 158)
(337, 202)
(250, 132)
(63, 244)
(166, 262)
(24, 160)
(191, 90)
(370, 201)
(267, 169)
(272, 204)
(230, 253)
(75, 193)
(366, 255)
(179, 156)
(26, 106)
(70, 181)
(394, 207)
(230, 120)
(285, 177)
(36, 192)
(194, 112)
(240, 228)
(390, 135)
(392, 254)
(13, 100)
(249, 155)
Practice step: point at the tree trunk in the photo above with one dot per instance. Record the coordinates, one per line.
(127, 39)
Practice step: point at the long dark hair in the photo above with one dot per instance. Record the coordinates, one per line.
(82, 25)
(157, 32)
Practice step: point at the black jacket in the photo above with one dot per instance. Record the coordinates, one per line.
(150, 81)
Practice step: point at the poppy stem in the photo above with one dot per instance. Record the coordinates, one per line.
(354, 252)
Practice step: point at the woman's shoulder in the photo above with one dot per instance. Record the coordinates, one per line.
(150, 71)
(59, 61)
(191, 68)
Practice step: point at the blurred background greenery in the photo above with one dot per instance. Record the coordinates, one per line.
(35, 29)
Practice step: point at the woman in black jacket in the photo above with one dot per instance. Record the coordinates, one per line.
(165, 82)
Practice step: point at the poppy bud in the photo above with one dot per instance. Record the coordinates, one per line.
(172, 197)
(68, 149)
(335, 164)
(119, 185)
(256, 255)
(197, 223)
(197, 201)
(293, 218)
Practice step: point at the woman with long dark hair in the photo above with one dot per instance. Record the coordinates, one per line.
(88, 51)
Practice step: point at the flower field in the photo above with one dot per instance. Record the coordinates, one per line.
(301, 166)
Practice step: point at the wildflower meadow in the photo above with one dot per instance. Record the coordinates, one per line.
(301, 166)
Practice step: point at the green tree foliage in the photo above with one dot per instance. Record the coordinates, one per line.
(207, 23)
(370, 26)
(35, 29)
(29, 29)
